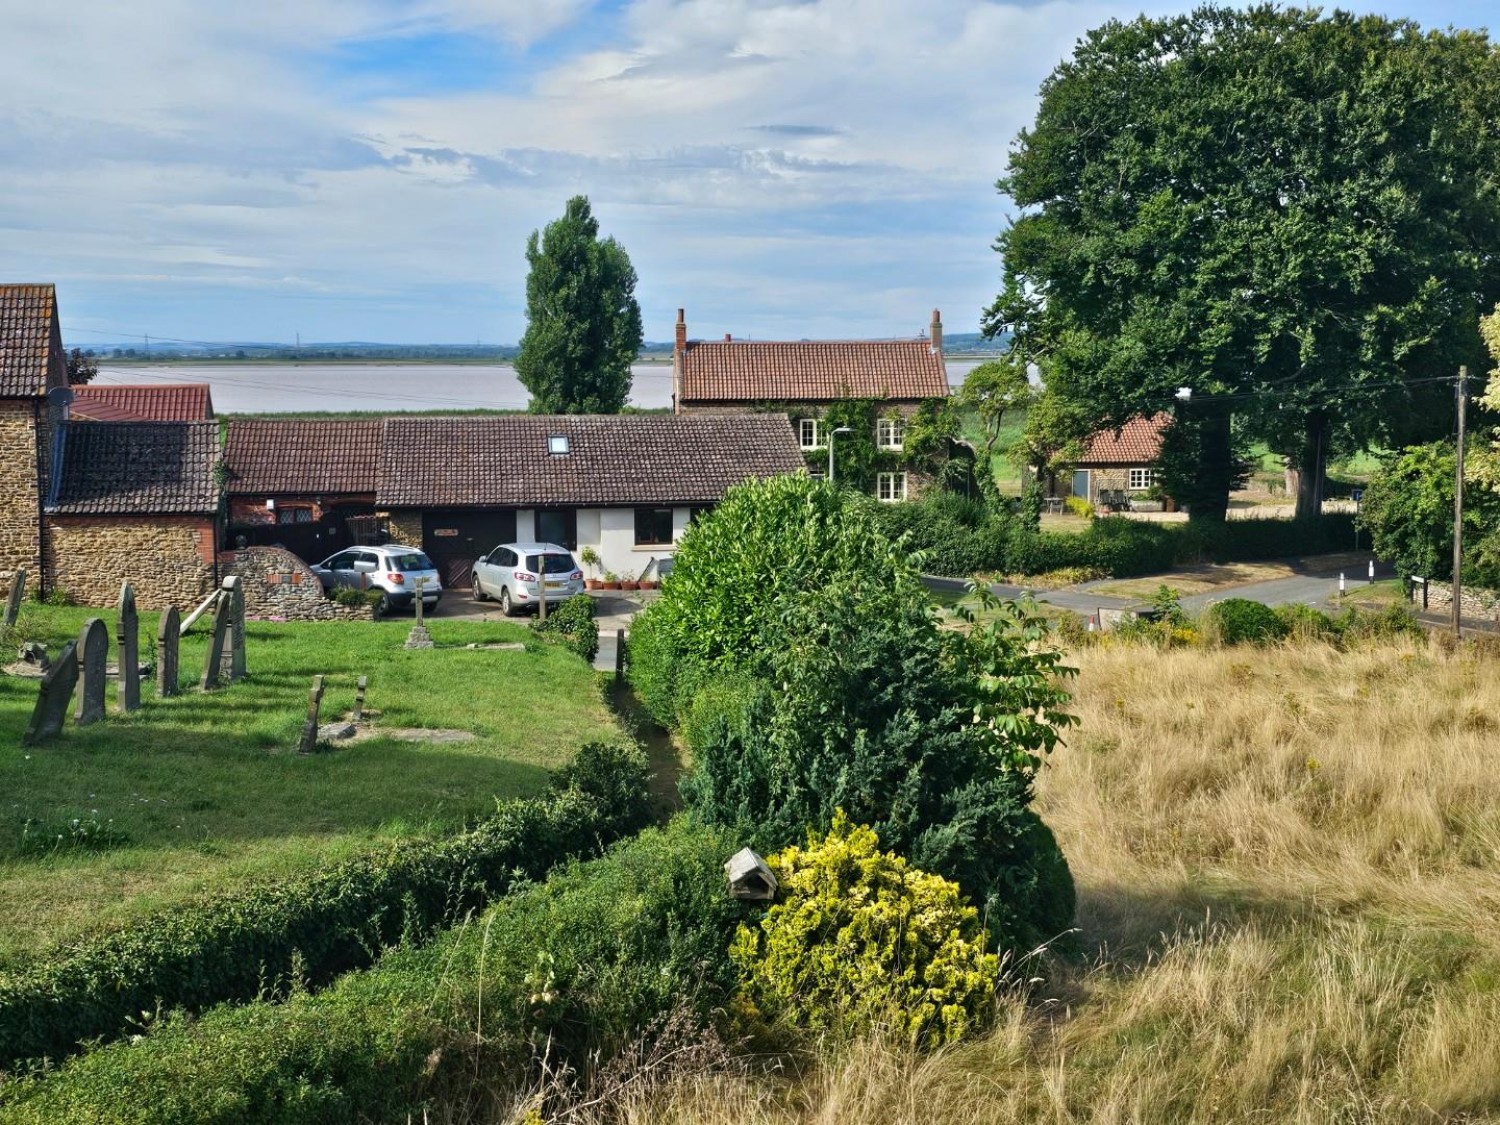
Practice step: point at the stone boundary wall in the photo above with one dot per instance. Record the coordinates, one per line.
(20, 505)
(1476, 602)
(169, 560)
(279, 585)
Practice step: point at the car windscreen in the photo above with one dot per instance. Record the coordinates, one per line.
(551, 564)
(412, 562)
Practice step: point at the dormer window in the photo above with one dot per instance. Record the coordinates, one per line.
(557, 445)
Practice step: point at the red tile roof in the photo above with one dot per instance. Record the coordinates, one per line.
(614, 460)
(30, 341)
(302, 458)
(138, 468)
(813, 371)
(168, 402)
(1137, 442)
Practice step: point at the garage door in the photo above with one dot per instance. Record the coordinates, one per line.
(454, 538)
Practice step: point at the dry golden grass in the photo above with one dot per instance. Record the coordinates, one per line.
(1288, 902)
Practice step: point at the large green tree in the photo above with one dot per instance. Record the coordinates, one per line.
(583, 327)
(1295, 216)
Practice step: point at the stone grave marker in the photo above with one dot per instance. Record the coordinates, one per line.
(128, 634)
(419, 637)
(53, 698)
(215, 657)
(309, 743)
(168, 634)
(93, 661)
(232, 661)
(359, 698)
(17, 592)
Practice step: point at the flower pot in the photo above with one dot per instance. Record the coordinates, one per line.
(591, 583)
(609, 585)
(649, 584)
(630, 585)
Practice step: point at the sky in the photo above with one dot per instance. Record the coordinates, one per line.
(370, 169)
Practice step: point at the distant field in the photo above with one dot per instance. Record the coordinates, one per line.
(206, 790)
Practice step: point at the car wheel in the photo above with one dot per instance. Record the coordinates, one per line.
(383, 606)
(505, 605)
(479, 594)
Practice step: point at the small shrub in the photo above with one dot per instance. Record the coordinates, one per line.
(1367, 625)
(572, 623)
(352, 596)
(1304, 623)
(1239, 621)
(1078, 506)
(863, 942)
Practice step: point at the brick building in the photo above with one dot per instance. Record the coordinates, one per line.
(1118, 466)
(804, 379)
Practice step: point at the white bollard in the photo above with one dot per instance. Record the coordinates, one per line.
(1372, 571)
(1341, 583)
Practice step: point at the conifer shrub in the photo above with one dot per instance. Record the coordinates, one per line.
(861, 941)
(1239, 621)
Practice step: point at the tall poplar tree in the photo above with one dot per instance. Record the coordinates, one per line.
(1295, 216)
(583, 327)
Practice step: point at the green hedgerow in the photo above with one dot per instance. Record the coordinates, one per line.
(572, 623)
(1241, 621)
(863, 942)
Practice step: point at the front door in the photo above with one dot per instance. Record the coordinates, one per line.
(1081, 483)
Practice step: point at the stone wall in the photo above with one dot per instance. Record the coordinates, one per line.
(1439, 598)
(168, 559)
(20, 500)
(404, 527)
(280, 586)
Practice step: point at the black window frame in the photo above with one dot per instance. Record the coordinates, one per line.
(652, 516)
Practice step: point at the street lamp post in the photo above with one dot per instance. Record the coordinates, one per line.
(831, 436)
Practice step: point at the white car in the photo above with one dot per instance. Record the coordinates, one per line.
(393, 569)
(512, 572)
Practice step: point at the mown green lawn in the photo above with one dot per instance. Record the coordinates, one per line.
(194, 793)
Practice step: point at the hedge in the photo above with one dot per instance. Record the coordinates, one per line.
(270, 938)
(572, 623)
(575, 968)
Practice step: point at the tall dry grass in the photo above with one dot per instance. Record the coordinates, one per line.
(1289, 906)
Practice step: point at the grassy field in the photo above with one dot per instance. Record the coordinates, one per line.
(1288, 897)
(193, 793)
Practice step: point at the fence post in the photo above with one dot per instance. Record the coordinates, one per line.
(619, 657)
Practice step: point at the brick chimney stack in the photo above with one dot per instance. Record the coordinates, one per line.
(935, 331)
(679, 347)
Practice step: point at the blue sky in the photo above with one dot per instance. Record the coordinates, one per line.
(369, 169)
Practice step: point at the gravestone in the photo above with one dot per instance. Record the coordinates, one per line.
(53, 698)
(93, 660)
(17, 592)
(359, 698)
(215, 657)
(168, 633)
(309, 743)
(232, 661)
(419, 637)
(128, 634)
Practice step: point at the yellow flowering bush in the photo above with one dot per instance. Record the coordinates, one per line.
(862, 941)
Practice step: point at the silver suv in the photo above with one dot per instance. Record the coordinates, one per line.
(511, 572)
(393, 570)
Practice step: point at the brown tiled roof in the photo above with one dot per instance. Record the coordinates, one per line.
(138, 468)
(814, 371)
(614, 460)
(30, 340)
(167, 402)
(297, 458)
(1138, 442)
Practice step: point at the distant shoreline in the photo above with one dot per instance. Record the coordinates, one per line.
(368, 361)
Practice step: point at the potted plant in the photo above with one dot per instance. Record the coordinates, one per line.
(630, 584)
(590, 558)
(647, 583)
(611, 581)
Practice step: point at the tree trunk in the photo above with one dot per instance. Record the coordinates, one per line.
(1215, 467)
(1305, 471)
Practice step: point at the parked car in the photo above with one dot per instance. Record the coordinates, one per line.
(511, 573)
(392, 569)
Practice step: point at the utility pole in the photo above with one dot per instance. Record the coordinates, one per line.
(1458, 506)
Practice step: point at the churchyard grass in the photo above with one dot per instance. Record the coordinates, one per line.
(203, 791)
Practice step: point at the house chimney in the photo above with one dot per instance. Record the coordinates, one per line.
(728, 339)
(681, 341)
(679, 348)
(936, 331)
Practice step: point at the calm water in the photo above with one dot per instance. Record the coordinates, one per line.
(389, 388)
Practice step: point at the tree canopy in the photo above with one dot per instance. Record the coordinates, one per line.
(583, 327)
(1296, 216)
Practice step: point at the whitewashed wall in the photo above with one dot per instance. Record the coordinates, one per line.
(611, 532)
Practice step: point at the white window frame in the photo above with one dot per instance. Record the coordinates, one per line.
(890, 434)
(890, 488)
(819, 440)
(1139, 480)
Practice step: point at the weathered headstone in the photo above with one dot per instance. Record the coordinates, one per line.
(215, 657)
(421, 589)
(419, 637)
(359, 698)
(17, 592)
(93, 660)
(53, 699)
(128, 634)
(168, 634)
(309, 743)
(232, 661)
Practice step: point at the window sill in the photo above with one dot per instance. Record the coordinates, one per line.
(644, 547)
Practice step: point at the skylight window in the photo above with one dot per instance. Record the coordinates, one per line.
(557, 445)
